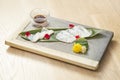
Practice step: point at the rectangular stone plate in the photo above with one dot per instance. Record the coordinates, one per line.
(62, 51)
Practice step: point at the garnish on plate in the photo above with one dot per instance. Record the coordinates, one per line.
(47, 36)
(80, 46)
(71, 25)
(27, 34)
(76, 35)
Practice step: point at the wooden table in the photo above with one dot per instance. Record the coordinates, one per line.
(16, 64)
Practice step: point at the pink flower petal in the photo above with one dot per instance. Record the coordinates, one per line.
(47, 36)
(71, 25)
(27, 34)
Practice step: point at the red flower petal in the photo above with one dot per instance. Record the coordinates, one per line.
(27, 34)
(77, 36)
(47, 36)
(71, 25)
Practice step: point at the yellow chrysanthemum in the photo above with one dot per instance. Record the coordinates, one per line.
(77, 48)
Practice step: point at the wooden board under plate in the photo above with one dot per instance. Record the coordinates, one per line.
(62, 51)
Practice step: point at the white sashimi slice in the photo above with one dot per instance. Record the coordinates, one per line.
(40, 35)
(35, 37)
(73, 32)
(50, 32)
(84, 32)
(30, 37)
(46, 31)
(79, 30)
(65, 36)
(68, 35)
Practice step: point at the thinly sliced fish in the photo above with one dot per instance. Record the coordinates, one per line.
(68, 35)
(81, 31)
(36, 37)
(40, 35)
(65, 36)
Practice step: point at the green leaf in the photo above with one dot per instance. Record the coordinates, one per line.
(57, 30)
(52, 38)
(31, 31)
(82, 41)
(94, 32)
(25, 38)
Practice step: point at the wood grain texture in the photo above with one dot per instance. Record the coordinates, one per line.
(20, 65)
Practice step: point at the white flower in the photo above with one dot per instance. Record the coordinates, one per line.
(84, 49)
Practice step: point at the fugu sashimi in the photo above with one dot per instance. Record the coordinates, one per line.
(40, 35)
(35, 37)
(83, 32)
(69, 34)
(65, 36)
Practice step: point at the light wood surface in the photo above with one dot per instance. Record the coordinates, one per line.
(16, 64)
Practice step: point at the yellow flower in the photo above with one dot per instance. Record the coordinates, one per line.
(77, 48)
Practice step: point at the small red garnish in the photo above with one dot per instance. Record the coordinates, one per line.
(77, 36)
(47, 36)
(71, 25)
(27, 34)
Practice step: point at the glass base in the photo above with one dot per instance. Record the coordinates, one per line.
(43, 24)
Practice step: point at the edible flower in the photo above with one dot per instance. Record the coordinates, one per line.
(77, 36)
(47, 36)
(84, 49)
(27, 34)
(78, 48)
(71, 25)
